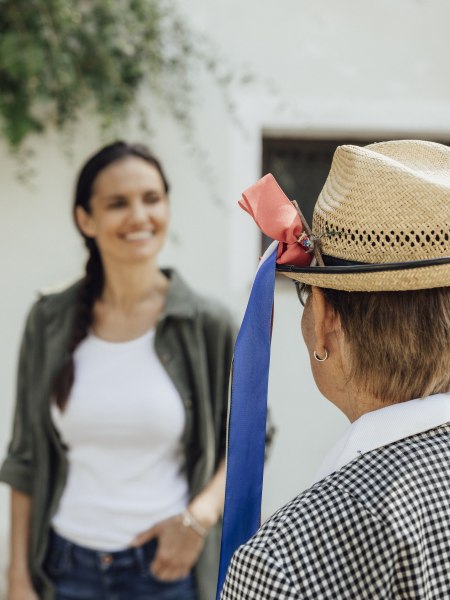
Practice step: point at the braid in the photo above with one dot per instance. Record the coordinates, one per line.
(89, 292)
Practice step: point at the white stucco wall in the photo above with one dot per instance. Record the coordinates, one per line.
(322, 68)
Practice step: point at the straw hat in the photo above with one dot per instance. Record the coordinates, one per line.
(382, 219)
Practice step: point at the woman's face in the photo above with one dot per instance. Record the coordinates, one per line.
(129, 212)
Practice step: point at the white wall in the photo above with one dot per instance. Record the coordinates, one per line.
(320, 68)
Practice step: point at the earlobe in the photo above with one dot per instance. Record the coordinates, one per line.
(84, 222)
(321, 358)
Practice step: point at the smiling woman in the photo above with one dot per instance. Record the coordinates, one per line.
(116, 461)
(128, 212)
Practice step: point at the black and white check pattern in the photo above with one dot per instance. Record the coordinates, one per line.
(379, 528)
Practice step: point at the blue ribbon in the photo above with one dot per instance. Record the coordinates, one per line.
(247, 419)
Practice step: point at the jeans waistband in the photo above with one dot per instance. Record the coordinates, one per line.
(141, 556)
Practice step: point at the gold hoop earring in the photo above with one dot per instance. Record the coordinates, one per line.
(321, 359)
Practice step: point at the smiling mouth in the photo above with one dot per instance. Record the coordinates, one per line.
(137, 236)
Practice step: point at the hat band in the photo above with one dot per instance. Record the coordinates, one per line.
(335, 265)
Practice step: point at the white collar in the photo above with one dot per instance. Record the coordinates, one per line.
(384, 426)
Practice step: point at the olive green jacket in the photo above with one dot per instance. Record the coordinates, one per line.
(194, 341)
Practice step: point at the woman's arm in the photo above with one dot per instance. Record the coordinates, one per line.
(19, 580)
(17, 469)
(207, 506)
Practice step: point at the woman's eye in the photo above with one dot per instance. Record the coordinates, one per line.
(151, 198)
(117, 204)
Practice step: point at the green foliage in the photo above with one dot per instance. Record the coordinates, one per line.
(58, 56)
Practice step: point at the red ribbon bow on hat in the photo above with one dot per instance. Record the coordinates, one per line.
(277, 217)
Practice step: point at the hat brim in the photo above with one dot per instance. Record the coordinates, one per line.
(388, 277)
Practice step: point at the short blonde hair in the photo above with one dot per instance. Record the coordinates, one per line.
(398, 342)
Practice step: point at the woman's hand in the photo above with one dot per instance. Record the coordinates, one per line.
(21, 588)
(178, 548)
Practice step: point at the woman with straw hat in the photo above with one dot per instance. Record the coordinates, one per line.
(376, 322)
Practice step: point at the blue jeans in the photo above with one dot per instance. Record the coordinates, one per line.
(80, 573)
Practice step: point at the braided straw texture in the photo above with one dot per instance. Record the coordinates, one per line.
(385, 203)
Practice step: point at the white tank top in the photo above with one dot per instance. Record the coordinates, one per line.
(123, 427)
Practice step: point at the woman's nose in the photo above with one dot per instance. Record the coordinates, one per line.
(139, 212)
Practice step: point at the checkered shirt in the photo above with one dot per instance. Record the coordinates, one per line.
(379, 528)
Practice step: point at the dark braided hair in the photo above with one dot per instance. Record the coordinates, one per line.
(93, 281)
